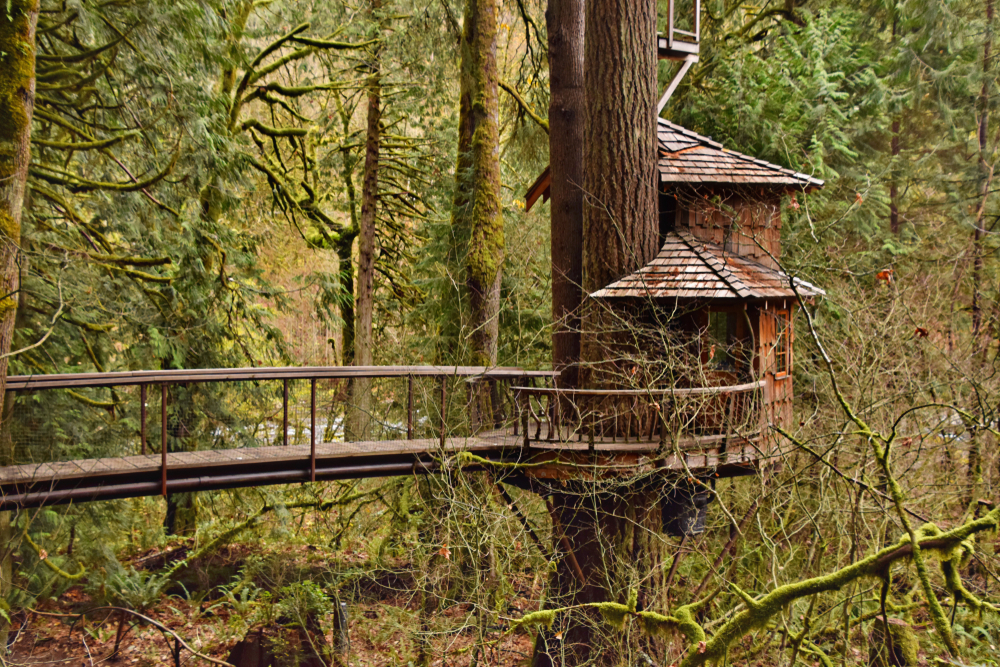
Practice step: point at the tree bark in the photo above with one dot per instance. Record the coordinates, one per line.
(620, 222)
(565, 22)
(985, 176)
(361, 400)
(17, 103)
(477, 213)
(611, 538)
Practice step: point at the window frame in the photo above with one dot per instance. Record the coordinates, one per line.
(782, 319)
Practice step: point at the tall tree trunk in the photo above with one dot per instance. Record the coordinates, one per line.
(361, 400)
(979, 337)
(620, 223)
(17, 103)
(565, 22)
(609, 534)
(477, 213)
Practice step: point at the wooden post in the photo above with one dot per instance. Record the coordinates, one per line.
(284, 413)
(444, 396)
(409, 408)
(142, 417)
(163, 439)
(312, 430)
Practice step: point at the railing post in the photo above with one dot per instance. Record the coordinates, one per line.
(312, 430)
(163, 439)
(409, 407)
(444, 396)
(525, 409)
(142, 417)
(284, 413)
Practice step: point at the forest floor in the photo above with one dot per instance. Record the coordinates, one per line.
(72, 630)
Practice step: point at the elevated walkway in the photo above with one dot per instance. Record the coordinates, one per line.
(610, 435)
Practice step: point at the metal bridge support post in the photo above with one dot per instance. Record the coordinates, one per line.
(142, 417)
(284, 413)
(409, 408)
(444, 406)
(163, 440)
(312, 430)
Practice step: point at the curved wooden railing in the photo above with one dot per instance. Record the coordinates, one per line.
(639, 415)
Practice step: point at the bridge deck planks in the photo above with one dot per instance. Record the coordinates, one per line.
(179, 461)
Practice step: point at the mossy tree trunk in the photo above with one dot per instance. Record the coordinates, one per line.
(359, 420)
(565, 22)
(477, 215)
(17, 103)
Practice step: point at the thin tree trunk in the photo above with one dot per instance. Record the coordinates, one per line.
(985, 176)
(345, 247)
(17, 103)
(565, 21)
(477, 211)
(894, 182)
(974, 470)
(361, 389)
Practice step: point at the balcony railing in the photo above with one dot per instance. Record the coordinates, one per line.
(657, 417)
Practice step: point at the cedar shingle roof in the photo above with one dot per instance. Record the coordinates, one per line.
(687, 268)
(688, 157)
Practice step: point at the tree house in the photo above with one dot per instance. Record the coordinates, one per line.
(705, 359)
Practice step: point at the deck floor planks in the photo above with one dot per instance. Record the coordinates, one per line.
(696, 453)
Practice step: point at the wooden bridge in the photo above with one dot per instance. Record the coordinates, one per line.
(426, 419)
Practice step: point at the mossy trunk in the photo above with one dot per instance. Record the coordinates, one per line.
(17, 103)
(565, 22)
(359, 418)
(477, 214)
(620, 223)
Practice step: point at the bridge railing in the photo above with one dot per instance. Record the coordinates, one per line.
(689, 416)
(68, 417)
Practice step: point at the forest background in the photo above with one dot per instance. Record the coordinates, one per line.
(202, 194)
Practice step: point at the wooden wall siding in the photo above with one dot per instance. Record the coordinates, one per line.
(778, 397)
(748, 228)
(688, 268)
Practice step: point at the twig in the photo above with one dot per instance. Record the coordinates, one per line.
(162, 628)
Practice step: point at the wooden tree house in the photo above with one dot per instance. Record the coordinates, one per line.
(705, 358)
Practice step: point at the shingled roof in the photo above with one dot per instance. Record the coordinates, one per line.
(687, 268)
(688, 157)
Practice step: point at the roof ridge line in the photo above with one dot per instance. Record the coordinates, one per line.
(730, 280)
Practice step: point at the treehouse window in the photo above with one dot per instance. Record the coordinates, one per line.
(721, 339)
(782, 344)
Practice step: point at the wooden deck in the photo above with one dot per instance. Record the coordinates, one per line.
(50, 483)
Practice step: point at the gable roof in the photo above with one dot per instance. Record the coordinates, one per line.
(688, 157)
(687, 268)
